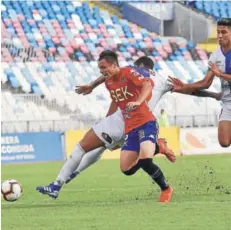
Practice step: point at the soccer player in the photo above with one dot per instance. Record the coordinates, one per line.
(220, 66)
(109, 132)
(130, 91)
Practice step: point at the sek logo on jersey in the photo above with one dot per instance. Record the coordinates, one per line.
(121, 94)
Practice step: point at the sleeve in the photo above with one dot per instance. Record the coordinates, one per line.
(212, 57)
(136, 78)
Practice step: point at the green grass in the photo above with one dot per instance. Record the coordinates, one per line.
(102, 198)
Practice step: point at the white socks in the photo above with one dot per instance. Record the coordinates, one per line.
(70, 165)
(90, 158)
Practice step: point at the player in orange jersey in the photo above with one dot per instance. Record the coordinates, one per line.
(130, 92)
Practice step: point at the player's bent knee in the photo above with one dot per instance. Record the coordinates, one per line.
(90, 141)
(128, 172)
(132, 170)
(124, 168)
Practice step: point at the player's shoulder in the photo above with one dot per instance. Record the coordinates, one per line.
(125, 69)
(217, 52)
(216, 56)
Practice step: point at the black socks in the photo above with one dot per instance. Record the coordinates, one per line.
(154, 172)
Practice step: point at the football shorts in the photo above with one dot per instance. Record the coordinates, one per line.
(110, 130)
(133, 139)
(225, 114)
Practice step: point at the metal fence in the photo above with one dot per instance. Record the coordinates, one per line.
(83, 123)
(179, 110)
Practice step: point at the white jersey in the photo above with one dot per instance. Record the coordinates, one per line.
(112, 127)
(223, 62)
(161, 86)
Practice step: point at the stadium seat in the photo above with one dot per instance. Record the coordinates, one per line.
(74, 33)
(216, 9)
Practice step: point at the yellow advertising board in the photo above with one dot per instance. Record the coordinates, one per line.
(171, 134)
(72, 137)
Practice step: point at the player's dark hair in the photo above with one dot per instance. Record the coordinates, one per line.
(109, 55)
(224, 22)
(146, 61)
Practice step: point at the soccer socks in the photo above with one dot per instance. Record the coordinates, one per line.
(132, 170)
(154, 172)
(157, 149)
(136, 167)
(89, 158)
(70, 165)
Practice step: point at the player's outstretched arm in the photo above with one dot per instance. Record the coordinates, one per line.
(207, 93)
(218, 73)
(87, 89)
(200, 93)
(179, 86)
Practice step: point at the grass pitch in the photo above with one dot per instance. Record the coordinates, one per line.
(102, 198)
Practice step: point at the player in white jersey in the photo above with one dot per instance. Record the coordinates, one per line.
(108, 133)
(220, 66)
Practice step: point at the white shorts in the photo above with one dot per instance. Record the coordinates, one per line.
(225, 114)
(110, 130)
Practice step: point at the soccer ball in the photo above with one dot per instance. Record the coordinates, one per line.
(11, 190)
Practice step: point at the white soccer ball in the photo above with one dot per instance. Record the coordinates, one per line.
(11, 190)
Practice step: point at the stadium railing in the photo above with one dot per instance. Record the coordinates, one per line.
(78, 123)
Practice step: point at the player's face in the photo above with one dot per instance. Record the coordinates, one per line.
(108, 69)
(224, 35)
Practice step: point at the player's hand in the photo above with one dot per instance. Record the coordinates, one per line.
(84, 89)
(133, 105)
(214, 69)
(177, 84)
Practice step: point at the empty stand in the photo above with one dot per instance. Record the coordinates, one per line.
(51, 46)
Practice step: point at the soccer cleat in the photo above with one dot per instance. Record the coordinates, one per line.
(166, 195)
(71, 177)
(51, 190)
(163, 149)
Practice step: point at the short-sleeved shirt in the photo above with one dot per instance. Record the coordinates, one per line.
(126, 87)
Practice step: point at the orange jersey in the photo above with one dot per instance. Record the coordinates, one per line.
(124, 88)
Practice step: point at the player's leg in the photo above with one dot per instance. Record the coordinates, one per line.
(224, 128)
(224, 133)
(129, 154)
(110, 131)
(148, 135)
(88, 159)
(89, 142)
(153, 170)
(128, 162)
(162, 147)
